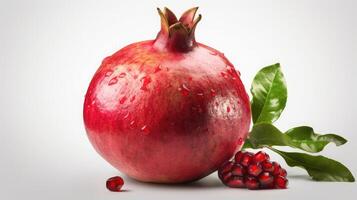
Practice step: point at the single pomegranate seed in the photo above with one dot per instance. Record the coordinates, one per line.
(115, 183)
(238, 157)
(281, 182)
(260, 157)
(251, 183)
(236, 182)
(246, 159)
(238, 170)
(266, 180)
(267, 166)
(225, 168)
(254, 169)
(276, 170)
(225, 177)
(282, 172)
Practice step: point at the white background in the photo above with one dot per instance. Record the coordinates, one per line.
(49, 51)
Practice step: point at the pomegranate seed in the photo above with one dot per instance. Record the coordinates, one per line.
(225, 177)
(282, 172)
(246, 159)
(251, 183)
(238, 170)
(236, 182)
(115, 183)
(238, 157)
(281, 182)
(266, 180)
(260, 157)
(254, 169)
(276, 170)
(226, 167)
(267, 166)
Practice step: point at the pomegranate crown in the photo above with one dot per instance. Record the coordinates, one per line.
(177, 35)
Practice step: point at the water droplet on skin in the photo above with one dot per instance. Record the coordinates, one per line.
(146, 81)
(122, 75)
(93, 102)
(113, 81)
(122, 100)
(213, 92)
(145, 129)
(126, 116)
(200, 94)
(231, 70)
(108, 73)
(240, 141)
(213, 53)
(157, 69)
(184, 90)
(132, 124)
(234, 78)
(228, 109)
(132, 99)
(224, 75)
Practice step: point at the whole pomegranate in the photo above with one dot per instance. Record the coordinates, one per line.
(167, 110)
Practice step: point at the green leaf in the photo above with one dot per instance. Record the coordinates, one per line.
(269, 94)
(247, 144)
(265, 134)
(303, 137)
(320, 168)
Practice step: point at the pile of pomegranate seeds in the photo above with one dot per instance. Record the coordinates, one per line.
(115, 183)
(253, 171)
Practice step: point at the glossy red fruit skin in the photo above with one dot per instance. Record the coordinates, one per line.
(160, 115)
(115, 184)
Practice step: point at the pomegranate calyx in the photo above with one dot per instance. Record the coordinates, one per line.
(177, 35)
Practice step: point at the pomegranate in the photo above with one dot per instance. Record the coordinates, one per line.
(167, 110)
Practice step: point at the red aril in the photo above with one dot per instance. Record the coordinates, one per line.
(251, 183)
(161, 111)
(236, 182)
(115, 184)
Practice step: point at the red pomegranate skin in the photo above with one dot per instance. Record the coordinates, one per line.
(166, 114)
